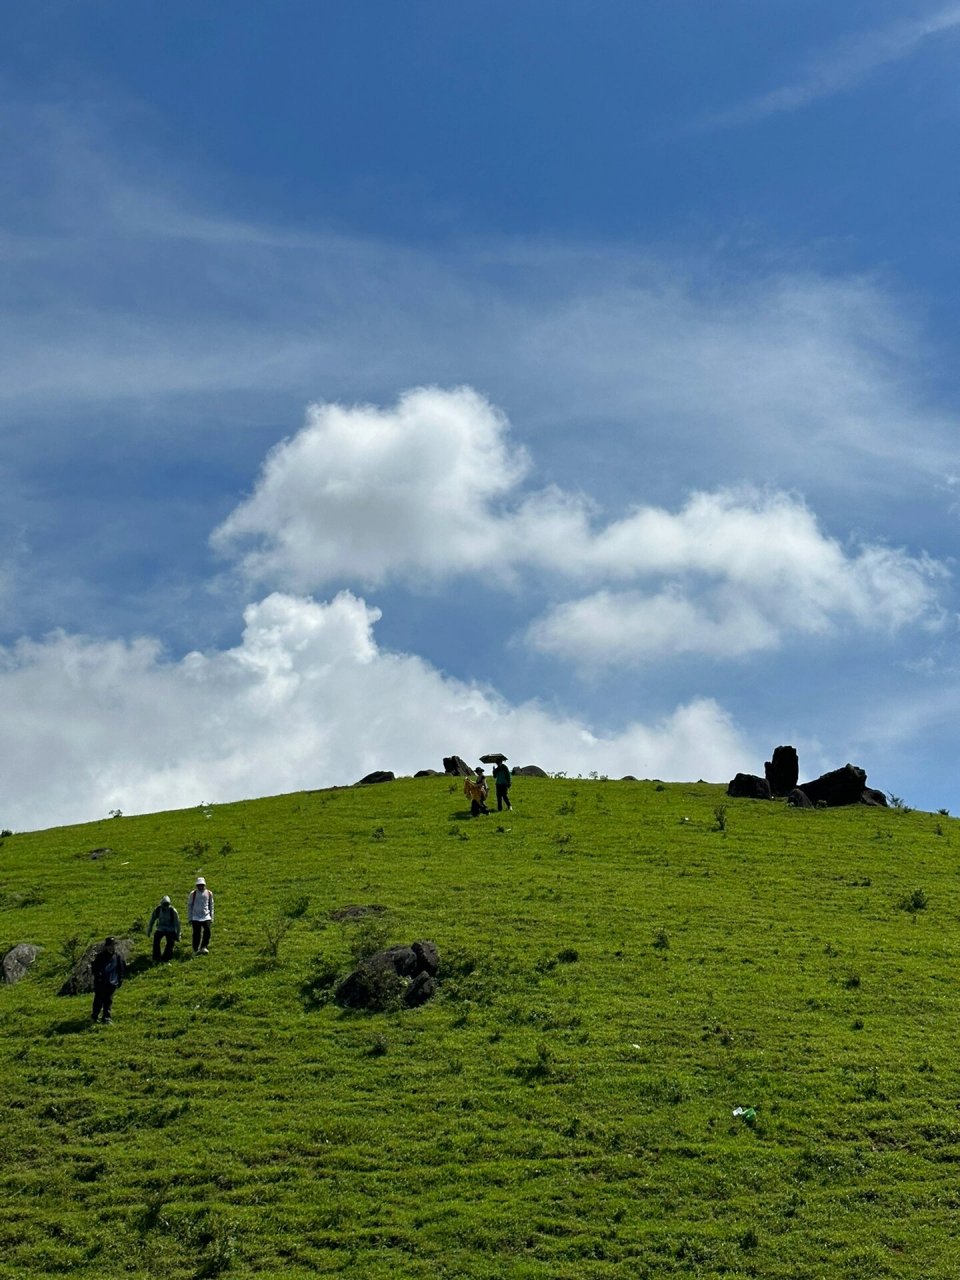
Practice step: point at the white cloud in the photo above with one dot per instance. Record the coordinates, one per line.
(363, 493)
(425, 488)
(845, 65)
(307, 699)
(747, 572)
(133, 290)
(627, 628)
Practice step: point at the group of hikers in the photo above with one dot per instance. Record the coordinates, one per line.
(476, 789)
(109, 968)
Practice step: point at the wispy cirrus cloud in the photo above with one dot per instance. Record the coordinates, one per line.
(841, 67)
(120, 283)
(125, 285)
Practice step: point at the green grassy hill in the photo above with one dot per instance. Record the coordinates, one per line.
(618, 974)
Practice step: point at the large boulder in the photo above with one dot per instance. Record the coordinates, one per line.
(427, 956)
(18, 960)
(530, 771)
(423, 986)
(839, 787)
(799, 799)
(80, 981)
(427, 773)
(372, 985)
(378, 775)
(873, 797)
(747, 786)
(783, 770)
(457, 767)
(398, 974)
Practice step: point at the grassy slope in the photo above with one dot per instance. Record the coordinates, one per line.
(544, 1117)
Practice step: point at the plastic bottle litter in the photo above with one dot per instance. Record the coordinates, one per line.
(747, 1114)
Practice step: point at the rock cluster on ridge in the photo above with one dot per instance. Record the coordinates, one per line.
(831, 790)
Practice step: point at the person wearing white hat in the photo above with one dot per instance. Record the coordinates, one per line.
(200, 915)
(167, 923)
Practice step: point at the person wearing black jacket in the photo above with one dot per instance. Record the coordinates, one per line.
(108, 971)
(501, 779)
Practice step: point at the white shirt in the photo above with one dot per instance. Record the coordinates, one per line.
(200, 905)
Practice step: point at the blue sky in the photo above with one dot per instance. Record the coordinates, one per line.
(381, 381)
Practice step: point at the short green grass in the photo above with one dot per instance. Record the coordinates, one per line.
(620, 970)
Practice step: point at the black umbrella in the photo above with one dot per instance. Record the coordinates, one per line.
(493, 757)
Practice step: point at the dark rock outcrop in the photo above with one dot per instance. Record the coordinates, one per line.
(80, 981)
(530, 771)
(18, 960)
(428, 956)
(427, 773)
(747, 786)
(783, 770)
(399, 974)
(378, 775)
(423, 986)
(457, 767)
(839, 787)
(628, 777)
(873, 797)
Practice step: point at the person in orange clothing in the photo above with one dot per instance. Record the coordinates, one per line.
(475, 789)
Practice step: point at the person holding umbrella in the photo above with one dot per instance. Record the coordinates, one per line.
(501, 778)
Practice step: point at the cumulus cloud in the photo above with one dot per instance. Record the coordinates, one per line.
(748, 571)
(306, 699)
(362, 493)
(368, 494)
(627, 628)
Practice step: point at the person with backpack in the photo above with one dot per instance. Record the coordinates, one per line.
(475, 789)
(167, 922)
(200, 915)
(108, 970)
(501, 780)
